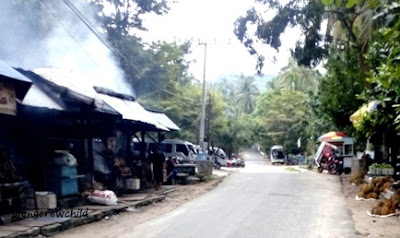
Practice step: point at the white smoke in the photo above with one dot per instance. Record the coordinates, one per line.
(54, 36)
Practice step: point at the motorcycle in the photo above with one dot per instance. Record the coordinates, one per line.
(333, 163)
(327, 158)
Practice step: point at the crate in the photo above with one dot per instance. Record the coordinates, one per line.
(46, 200)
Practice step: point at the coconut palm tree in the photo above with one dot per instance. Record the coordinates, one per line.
(298, 78)
(245, 96)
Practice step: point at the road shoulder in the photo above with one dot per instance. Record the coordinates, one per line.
(364, 224)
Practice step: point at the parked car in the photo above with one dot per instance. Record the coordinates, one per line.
(219, 157)
(184, 151)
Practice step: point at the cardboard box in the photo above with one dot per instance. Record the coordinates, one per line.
(46, 200)
(132, 184)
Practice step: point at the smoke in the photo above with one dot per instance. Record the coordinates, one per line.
(48, 34)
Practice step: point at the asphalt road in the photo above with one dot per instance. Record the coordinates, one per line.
(259, 201)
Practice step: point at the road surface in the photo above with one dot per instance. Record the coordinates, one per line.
(259, 201)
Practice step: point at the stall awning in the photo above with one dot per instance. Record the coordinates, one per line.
(131, 110)
(358, 115)
(21, 82)
(164, 120)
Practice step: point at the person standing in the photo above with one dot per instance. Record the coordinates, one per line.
(171, 171)
(158, 160)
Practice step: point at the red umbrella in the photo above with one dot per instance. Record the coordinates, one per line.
(332, 135)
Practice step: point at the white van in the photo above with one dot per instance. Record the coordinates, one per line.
(277, 155)
(183, 150)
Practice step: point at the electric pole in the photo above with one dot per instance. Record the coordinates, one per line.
(203, 102)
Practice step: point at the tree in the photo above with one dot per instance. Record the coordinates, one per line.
(353, 19)
(246, 92)
(119, 17)
(297, 77)
(380, 126)
(308, 15)
(280, 119)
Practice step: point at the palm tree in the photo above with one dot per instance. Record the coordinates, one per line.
(298, 78)
(245, 96)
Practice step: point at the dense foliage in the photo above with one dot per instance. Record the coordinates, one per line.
(360, 52)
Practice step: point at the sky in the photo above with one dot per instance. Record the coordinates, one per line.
(212, 21)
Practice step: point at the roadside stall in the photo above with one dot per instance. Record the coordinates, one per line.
(13, 87)
(57, 125)
(344, 145)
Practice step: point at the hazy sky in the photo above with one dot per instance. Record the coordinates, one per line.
(213, 21)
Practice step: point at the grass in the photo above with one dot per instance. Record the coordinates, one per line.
(291, 169)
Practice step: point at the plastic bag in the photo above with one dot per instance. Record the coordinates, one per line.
(65, 159)
(105, 197)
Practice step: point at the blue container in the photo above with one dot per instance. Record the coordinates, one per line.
(63, 181)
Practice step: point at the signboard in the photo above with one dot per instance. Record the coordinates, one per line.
(8, 102)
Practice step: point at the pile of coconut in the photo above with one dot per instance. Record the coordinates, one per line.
(375, 187)
(388, 206)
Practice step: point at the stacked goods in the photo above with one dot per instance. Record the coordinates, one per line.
(380, 169)
(388, 206)
(375, 187)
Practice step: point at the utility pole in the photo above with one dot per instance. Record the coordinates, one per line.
(203, 102)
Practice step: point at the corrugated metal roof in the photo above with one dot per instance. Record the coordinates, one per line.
(131, 110)
(164, 120)
(10, 72)
(22, 82)
(37, 98)
(67, 79)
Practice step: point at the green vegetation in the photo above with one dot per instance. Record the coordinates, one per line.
(360, 51)
(359, 48)
(291, 169)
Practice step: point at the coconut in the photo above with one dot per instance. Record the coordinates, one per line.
(384, 211)
(361, 195)
(371, 195)
(395, 202)
(392, 210)
(388, 203)
(365, 188)
(371, 187)
(387, 185)
(375, 211)
(378, 210)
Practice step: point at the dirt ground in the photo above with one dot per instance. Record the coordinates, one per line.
(116, 225)
(366, 225)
